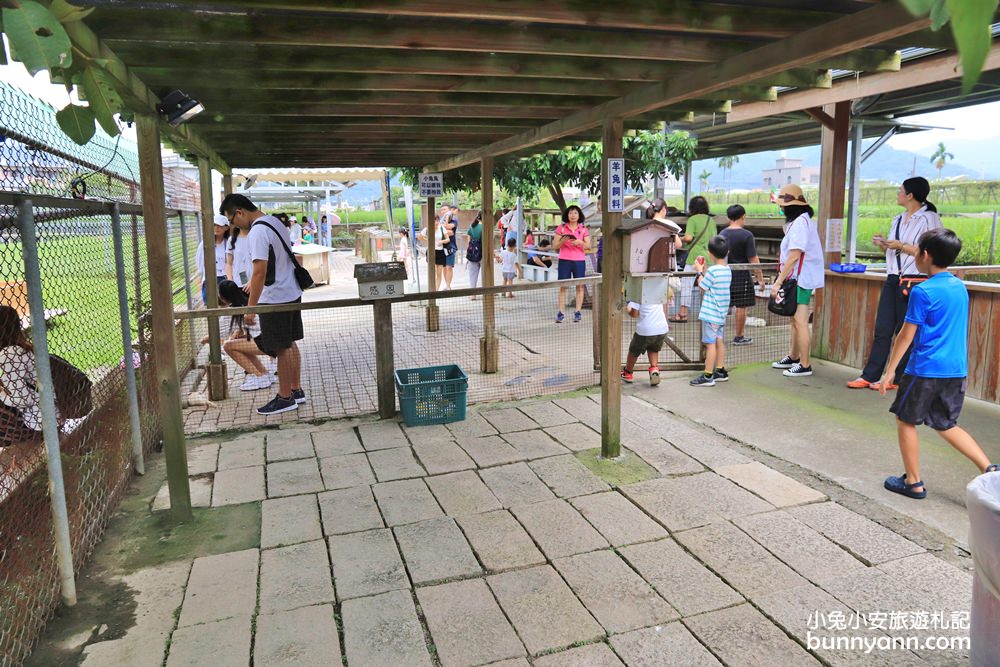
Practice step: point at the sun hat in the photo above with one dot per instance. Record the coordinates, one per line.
(790, 194)
(220, 220)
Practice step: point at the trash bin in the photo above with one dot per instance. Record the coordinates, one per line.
(982, 497)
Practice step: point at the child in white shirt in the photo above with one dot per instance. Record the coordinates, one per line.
(650, 332)
(510, 266)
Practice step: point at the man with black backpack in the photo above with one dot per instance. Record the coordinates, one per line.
(277, 279)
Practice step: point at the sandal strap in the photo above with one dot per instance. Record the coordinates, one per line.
(909, 486)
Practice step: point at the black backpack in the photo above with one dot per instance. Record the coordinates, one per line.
(73, 389)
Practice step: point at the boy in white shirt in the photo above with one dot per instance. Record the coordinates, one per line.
(510, 266)
(650, 332)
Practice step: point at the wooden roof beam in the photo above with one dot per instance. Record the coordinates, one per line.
(824, 119)
(879, 23)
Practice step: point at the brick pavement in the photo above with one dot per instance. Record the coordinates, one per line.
(464, 545)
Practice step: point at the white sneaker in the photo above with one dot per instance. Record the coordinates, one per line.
(255, 382)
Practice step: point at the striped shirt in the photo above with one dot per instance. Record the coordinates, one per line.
(909, 232)
(715, 284)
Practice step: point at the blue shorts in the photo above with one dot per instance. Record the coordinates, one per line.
(712, 332)
(572, 269)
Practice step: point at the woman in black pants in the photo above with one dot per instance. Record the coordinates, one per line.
(900, 248)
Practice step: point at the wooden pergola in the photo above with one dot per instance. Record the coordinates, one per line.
(443, 84)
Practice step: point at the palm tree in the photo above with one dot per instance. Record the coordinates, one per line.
(940, 157)
(727, 164)
(703, 177)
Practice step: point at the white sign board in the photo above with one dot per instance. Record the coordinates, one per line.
(380, 290)
(431, 185)
(835, 235)
(616, 185)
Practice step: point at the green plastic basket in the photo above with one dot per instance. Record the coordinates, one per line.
(432, 395)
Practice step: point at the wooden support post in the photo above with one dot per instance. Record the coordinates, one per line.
(833, 171)
(384, 363)
(611, 297)
(158, 259)
(430, 222)
(596, 327)
(227, 184)
(218, 380)
(489, 346)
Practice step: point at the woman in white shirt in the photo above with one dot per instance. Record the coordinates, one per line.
(802, 259)
(221, 227)
(242, 345)
(239, 268)
(20, 414)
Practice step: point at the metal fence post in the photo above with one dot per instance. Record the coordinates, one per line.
(993, 238)
(187, 283)
(47, 401)
(138, 461)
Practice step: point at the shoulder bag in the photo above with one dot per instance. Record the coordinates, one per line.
(682, 254)
(302, 277)
(786, 303)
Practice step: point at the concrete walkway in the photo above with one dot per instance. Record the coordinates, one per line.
(503, 540)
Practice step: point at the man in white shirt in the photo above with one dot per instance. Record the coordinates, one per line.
(272, 282)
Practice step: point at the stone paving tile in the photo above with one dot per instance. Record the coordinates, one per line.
(610, 590)
(744, 564)
(242, 452)
(710, 448)
(341, 472)
(473, 426)
(576, 436)
(462, 493)
(219, 643)
(243, 485)
(547, 413)
(500, 541)
(336, 443)
(406, 501)
(743, 636)
(864, 538)
(567, 477)
(667, 646)
(799, 546)
(201, 494)
(442, 456)
(515, 662)
(534, 444)
(305, 636)
(426, 434)
(777, 489)
(508, 420)
(515, 484)
(217, 588)
(939, 585)
(349, 511)
(435, 550)
(466, 624)
(295, 576)
(383, 631)
(393, 464)
(366, 564)
(791, 610)
(591, 655)
(489, 451)
(667, 459)
(558, 528)
(289, 521)
(696, 500)
(382, 435)
(583, 408)
(686, 584)
(618, 520)
(288, 445)
(543, 609)
(288, 478)
(204, 458)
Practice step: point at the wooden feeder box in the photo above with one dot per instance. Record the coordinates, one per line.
(649, 249)
(383, 280)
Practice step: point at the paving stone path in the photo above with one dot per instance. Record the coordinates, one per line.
(490, 542)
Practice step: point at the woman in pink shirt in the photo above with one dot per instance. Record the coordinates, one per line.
(572, 241)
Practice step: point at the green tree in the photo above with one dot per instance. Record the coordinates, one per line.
(703, 178)
(726, 164)
(941, 157)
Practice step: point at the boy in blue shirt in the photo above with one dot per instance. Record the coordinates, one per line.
(933, 387)
(715, 282)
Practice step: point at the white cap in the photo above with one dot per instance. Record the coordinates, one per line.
(220, 220)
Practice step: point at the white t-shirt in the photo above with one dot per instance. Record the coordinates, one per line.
(295, 231)
(20, 385)
(652, 320)
(285, 288)
(220, 258)
(242, 266)
(508, 261)
(802, 234)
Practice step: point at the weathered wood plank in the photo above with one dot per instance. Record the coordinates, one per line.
(980, 319)
(611, 300)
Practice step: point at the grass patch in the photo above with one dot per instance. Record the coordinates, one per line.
(626, 469)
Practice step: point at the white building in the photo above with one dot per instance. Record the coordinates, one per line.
(789, 170)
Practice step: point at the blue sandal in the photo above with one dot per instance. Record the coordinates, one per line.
(899, 485)
(993, 467)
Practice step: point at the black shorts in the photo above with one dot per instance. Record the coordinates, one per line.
(641, 344)
(741, 290)
(936, 402)
(278, 331)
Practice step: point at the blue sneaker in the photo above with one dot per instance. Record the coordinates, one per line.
(277, 405)
(299, 395)
(577, 316)
(559, 318)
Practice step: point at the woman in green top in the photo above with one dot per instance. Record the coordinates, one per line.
(699, 230)
(474, 254)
